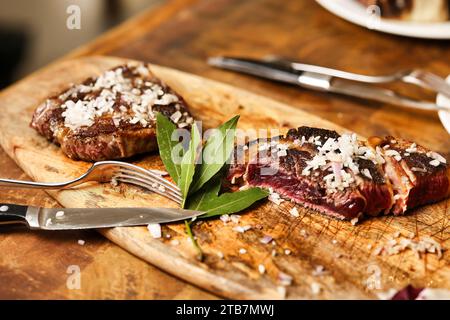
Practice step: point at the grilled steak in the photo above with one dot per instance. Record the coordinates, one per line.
(111, 116)
(340, 175)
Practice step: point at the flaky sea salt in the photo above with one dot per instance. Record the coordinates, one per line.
(261, 269)
(315, 288)
(294, 212)
(155, 230)
(242, 251)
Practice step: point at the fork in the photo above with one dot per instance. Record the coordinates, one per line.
(110, 171)
(337, 81)
(421, 78)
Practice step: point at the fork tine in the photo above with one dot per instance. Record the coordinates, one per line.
(137, 169)
(159, 180)
(147, 186)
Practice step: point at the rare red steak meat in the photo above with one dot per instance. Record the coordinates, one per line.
(111, 116)
(341, 175)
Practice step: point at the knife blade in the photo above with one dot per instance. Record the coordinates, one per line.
(317, 81)
(89, 218)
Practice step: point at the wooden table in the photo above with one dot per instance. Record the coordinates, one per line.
(182, 34)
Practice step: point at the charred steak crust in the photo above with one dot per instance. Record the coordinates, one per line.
(111, 116)
(342, 176)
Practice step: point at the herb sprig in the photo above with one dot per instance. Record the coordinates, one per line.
(200, 173)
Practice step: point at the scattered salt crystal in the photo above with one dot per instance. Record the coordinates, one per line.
(315, 288)
(303, 233)
(225, 218)
(220, 254)
(287, 252)
(366, 172)
(334, 241)
(294, 212)
(4, 208)
(275, 198)
(274, 253)
(319, 270)
(176, 116)
(261, 269)
(436, 156)
(155, 230)
(242, 251)
(174, 242)
(265, 239)
(284, 279)
(282, 291)
(81, 242)
(114, 182)
(160, 172)
(412, 148)
(235, 218)
(241, 229)
(354, 221)
(435, 163)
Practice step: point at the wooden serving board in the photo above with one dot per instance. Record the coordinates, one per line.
(345, 251)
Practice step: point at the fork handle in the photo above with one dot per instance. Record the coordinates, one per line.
(10, 183)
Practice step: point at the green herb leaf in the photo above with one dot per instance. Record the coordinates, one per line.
(199, 200)
(216, 152)
(232, 202)
(188, 164)
(164, 131)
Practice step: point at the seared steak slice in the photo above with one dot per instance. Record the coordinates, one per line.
(111, 116)
(338, 175)
(418, 175)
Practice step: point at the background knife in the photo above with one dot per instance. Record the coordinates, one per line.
(309, 79)
(89, 218)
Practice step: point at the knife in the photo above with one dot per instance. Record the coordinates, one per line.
(89, 218)
(319, 81)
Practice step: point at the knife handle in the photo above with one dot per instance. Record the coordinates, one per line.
(13, 214)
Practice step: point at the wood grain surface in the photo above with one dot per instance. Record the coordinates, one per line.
(344, 250)
(182, 34)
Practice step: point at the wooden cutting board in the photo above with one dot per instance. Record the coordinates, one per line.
(346, 252)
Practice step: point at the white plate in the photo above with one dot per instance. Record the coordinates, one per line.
(355, 12)
(443, 101)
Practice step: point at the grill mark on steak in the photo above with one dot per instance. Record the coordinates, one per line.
(384, 190)
(122, 128)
